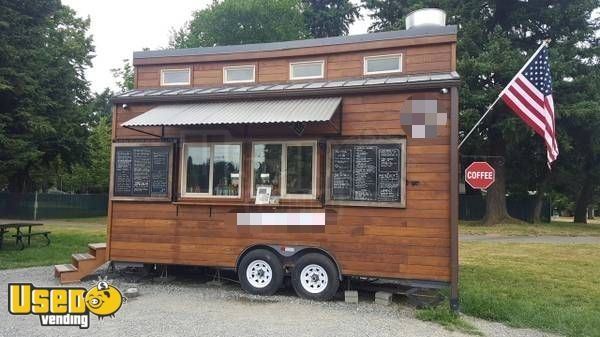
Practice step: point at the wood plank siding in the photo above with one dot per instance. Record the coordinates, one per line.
(415, 242)
(410, 243)
(415, 59)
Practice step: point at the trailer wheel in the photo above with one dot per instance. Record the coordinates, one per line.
(260, 272)
(315, 277)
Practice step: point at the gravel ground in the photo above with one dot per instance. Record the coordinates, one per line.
(533, 239)
(193, 308)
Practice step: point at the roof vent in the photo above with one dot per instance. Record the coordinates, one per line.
(426, 17)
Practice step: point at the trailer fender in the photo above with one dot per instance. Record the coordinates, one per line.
(290, 253)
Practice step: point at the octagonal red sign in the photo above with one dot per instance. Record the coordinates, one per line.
(480, 175)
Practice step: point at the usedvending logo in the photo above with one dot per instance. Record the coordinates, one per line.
(69, 306)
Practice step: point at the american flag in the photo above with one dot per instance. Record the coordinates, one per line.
(529, 95)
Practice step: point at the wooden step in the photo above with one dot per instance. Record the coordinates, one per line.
(64, 268)
(66, 272)
(83, 256)
(83, 264)
(101, 245)
(98, 250)
(83, 260)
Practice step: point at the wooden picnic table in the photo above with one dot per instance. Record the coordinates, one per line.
(4, 228)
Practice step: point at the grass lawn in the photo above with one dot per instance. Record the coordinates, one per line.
(550, 287)
(553, 228)
(68, 236)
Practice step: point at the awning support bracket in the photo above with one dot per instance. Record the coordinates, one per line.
(162, 131)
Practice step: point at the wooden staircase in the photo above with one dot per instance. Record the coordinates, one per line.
(83, 264)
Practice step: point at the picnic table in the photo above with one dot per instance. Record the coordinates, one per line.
(4, 228)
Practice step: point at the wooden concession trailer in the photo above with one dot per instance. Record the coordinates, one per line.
(314, 159)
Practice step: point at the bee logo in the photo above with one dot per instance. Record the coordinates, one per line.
(104, 300)
(70, 306)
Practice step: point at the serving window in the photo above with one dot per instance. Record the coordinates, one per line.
(289, 168)
(211, 170)
(366, 172)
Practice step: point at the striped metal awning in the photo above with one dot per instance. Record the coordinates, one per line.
(239, 112)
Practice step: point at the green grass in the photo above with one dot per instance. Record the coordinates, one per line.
(552, 228)
(443, 316)
(550, 287)
(68, 236)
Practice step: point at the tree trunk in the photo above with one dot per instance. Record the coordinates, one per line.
(536, 214)
(17, 183)
(495, 200)
(583, 200)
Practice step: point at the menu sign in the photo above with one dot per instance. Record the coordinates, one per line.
(142, 171)
(368, 172)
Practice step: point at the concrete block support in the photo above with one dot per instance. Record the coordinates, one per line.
(351, 296)
(383, 298)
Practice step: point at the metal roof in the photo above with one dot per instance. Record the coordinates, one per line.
(272, 46)
(319, 88)
(240, 112)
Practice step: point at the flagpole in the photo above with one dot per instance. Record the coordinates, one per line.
(544, 43)
(479, 121)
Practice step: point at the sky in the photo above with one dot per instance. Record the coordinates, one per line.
(120, 27)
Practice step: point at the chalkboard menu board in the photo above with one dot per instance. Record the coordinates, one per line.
(366, 171)
(142, 171)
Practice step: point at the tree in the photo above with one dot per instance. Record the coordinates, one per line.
(324, 18)
(578, 172)
(100, 105)
(124, 76)
(92, 175)
(232, 22)
(494, 40)
(44, 50)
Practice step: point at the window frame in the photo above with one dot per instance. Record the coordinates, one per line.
(285, 144)
(211, 146)
(366, 71)
(292, 64)
(226, 68)
(164, 70)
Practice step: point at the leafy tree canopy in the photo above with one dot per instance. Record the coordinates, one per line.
(124, 76)
(324, 18)
(44, 50)
(495, 38)
(232, 22)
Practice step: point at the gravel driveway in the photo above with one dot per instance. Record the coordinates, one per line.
(193, 308)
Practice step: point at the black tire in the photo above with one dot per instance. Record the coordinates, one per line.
(267, 283)
(320, 290)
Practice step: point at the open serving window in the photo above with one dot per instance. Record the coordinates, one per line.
(142, 171)
(366, 172)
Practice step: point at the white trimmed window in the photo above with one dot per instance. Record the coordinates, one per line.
(307, 70)
(290, 168)
(211, 170)
(382, 64)
(175, 77)
(239, 74)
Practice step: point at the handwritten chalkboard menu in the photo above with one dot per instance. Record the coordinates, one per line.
(366, 172)
(142, 171)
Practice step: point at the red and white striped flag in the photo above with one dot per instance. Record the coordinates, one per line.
(529, 95)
